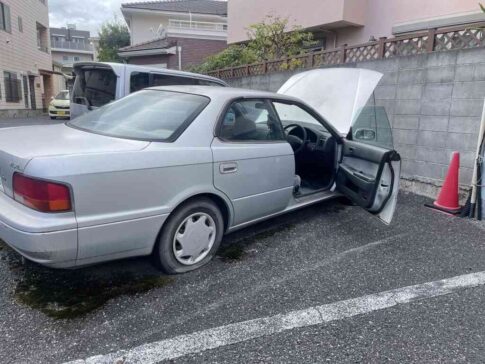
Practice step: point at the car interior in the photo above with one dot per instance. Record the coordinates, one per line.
(314, 147)
(315, 153)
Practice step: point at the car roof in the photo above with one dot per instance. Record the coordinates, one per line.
(119, 68)
(223, 92)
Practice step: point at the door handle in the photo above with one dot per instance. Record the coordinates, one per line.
(225, 168)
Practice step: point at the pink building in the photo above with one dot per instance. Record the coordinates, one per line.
(338, 22)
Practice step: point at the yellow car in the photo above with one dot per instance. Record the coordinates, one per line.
(60, 105)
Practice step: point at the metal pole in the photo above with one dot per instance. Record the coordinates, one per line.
(475, 170)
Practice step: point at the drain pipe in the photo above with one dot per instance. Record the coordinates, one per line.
(478, 158)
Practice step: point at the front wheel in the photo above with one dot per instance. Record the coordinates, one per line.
(190, 237)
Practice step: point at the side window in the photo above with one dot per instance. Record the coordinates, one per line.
(168, 80)
(372, 126)
(5, 18)
(251, 120)
(294, 114)
(139, 81)
(209, 83)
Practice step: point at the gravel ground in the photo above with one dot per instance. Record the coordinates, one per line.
(293, 262)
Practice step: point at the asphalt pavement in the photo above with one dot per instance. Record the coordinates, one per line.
(241, 307)
(40, 120)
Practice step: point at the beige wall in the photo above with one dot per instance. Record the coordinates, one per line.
(377, 16)
(18, 50)
(142, 23)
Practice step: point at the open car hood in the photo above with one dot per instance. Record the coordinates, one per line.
(338, 94)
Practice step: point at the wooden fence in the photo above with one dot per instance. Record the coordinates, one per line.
(434, 40)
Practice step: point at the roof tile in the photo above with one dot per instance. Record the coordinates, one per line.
(213, 7)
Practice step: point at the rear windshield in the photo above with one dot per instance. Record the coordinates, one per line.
(146, 115)
(94, 87)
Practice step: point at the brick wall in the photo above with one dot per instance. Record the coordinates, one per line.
(434, 102)
(194, 51)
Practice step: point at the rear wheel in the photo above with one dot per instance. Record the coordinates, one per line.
(53, 118)
(190, 237)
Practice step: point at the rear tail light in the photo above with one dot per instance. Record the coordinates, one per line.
(41, 195)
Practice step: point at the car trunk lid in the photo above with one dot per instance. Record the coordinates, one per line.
(19, 145)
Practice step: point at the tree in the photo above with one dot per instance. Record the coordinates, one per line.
(112, 36)
(235, 55)
(270, 39)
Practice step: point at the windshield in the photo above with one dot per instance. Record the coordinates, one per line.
(63, 95)
(94, 86)
(146, 115)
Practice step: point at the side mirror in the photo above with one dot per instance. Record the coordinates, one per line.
(365, 134)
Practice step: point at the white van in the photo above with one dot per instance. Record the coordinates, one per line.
(98, 83)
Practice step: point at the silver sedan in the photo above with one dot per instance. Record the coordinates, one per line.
(169, 170)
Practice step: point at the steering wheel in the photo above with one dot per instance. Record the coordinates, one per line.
(296, 143)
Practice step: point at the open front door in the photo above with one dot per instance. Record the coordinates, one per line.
(369, 176)
(369, 167)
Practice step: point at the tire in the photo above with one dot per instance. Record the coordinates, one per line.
(206, 224)
(53, 118)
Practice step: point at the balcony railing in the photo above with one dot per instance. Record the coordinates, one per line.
(71, 45)
(197, 25)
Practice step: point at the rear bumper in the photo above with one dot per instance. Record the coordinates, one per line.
(47, 239)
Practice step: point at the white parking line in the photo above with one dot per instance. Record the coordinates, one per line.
(242, 331)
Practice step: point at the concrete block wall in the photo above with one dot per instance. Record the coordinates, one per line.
(434, 103)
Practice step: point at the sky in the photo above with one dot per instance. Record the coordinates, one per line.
(86, 14)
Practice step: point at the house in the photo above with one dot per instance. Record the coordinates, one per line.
(69, 45)
(25, 59)
(338, 22)
(174, 34)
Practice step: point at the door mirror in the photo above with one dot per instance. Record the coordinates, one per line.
(372, 127)
(365, 135)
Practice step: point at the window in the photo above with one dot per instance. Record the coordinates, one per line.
(42, 38)
(5, 18)
(94, 87)
(21, 24)
(169, 80)
(145, 115)
(251, 120)
(294, 114)
(139, 81)
(13, 88)
(63, 95)
(372, 127)
(65, 58)
(76, 59)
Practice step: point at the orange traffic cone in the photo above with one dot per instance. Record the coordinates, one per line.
(447, 200)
